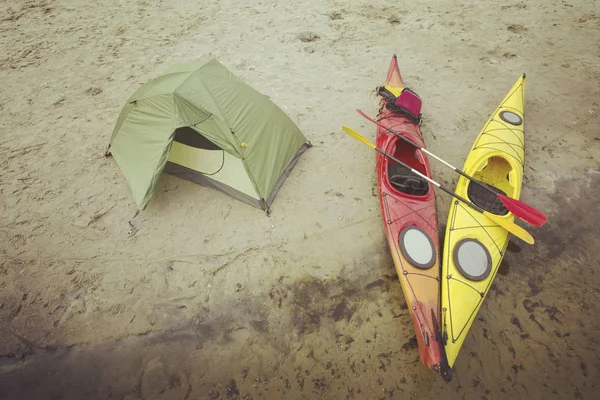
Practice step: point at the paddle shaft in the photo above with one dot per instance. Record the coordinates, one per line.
(424, 151)
(414, 171)
(506, 224)
(518, 208)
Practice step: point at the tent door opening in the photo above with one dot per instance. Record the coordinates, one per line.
(195, 158)
(192, 150)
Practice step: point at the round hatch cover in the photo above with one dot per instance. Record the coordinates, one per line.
(511, 118)
(472, 259)
(417, 247)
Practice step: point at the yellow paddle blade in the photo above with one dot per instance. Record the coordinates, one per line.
(511, 227)
(358, 136)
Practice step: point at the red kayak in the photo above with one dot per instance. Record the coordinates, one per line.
(409, 214)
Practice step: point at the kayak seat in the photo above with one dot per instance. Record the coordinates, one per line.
(403, 180)
(486, 199)
(494, 175)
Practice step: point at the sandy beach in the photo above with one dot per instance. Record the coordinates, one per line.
(203, 296)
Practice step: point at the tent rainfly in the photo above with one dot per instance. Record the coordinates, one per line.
(202, 123)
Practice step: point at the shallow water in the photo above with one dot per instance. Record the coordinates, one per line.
(350, 336)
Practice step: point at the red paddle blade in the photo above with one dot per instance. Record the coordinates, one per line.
(523, 211)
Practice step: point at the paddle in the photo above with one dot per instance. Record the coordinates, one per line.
(508, 225)
(518, 208)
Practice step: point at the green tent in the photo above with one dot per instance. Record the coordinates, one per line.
(201, 123)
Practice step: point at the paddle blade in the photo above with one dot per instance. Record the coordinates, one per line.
(511, 227)
(351, 132)
(523, 211)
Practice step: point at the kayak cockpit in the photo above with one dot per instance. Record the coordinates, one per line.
(400, 177)
(495, 175)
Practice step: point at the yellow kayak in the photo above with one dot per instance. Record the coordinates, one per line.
(474, 244)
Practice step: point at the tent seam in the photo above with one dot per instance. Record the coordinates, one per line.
(161, 93)
(196, 125)
(238, 141)
(118, 129)
(191, 104)
(156, 174)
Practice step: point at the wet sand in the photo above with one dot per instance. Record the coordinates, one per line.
(206, 297)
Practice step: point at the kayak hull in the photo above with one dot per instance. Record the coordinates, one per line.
(474, 245)
(401, 211)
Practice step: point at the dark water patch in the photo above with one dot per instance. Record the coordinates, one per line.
(232, 390)
(562, 235)
(205, 332)
(379, 283)
(260, 326)
(516, 368)
(300, 380)
(382, 366)
(532, 318)
(342, 311)
(401, 315)
(308, 291)
(344, 342)
(349, 291)
(512, 351)
(530, 306)
(583, 368)
(412, 344)
(535, 286)
(504, 267)
(494, 288)
(552, 313)
(320, 384)
(313, 299)
(305, 320)
(515, 321)
(212, 345)
(513, 247)
(140, 365)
